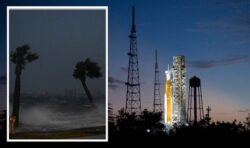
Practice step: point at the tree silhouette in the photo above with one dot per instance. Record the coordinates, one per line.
(84, 69)
(20, 58)
(247, 122)
(126, 123)
(146, 122)
(3, 126)
(111, 119)
(148, 126)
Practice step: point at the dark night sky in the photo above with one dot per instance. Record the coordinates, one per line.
(61, 38)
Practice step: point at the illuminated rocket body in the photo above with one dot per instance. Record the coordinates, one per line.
(175, 92)
(168, 97)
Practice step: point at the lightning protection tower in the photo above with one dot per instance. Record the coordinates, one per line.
(157, 94)
(133, 97)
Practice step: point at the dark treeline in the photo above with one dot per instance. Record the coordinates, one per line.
(148, 127)
(3, 126)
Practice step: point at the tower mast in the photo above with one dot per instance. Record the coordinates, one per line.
(133, 97)
(157, 95)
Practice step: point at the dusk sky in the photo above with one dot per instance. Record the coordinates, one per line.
(213, 35)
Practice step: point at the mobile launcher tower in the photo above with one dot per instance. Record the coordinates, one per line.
(175, 93)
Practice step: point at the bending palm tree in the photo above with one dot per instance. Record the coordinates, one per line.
(84, 69)
(20, 57)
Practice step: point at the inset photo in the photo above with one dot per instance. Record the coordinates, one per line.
(57, 73)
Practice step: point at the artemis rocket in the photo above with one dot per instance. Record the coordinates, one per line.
(175, 92)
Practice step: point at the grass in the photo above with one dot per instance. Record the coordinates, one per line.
(82, 133)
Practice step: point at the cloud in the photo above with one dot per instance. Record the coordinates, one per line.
(114, 80)
(124, 69)
(221, 26)
(3, 80)
(204, 64)
(114, 83)
(234, 23)
(245, 110)
(113, 86)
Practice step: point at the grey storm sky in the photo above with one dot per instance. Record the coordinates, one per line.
(61, 38)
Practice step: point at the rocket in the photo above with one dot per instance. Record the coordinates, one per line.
(168, 97)
(175, 92)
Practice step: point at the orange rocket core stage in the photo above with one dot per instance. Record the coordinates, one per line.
(169, 101)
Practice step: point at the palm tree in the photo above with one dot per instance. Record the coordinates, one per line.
(84, 69)
(20, 58)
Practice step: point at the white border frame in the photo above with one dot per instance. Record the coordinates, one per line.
(106, 89)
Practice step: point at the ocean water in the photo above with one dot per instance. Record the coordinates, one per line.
(57, 114)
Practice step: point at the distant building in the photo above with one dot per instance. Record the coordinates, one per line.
(175, 92)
